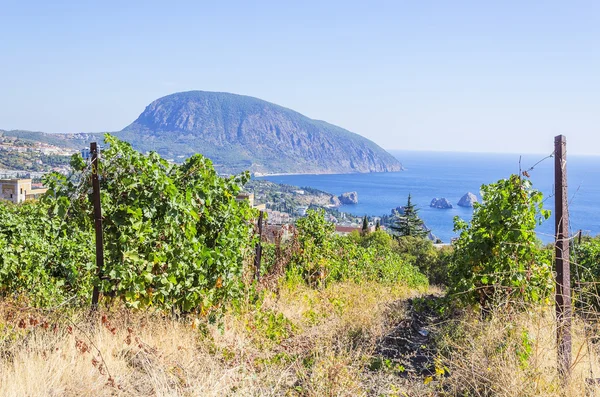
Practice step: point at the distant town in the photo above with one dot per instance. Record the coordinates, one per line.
(24, 162)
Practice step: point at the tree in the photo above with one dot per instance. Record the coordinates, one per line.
(365, 226)
(407, 222)
(377, 225)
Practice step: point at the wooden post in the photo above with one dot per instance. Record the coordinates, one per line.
(563, 270)
(258, 254)
(97, 222)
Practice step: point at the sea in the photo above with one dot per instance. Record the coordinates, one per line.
(450, 175)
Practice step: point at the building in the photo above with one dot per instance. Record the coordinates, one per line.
(301, 211)
(345, 230)
(246, 196)
(250, 197)
(278, 217)
(18, 190)
(278, 233)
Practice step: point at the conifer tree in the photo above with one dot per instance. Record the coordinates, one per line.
(377, 225)
(365, 226)
(407, 222)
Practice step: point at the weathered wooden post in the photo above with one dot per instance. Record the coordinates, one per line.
(563, 270)
(97, 222)
(258, 249)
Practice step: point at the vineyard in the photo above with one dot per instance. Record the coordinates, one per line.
(184, 311)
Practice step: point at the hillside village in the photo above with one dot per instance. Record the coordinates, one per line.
(22, 157)
(284, 204)
(24, 162)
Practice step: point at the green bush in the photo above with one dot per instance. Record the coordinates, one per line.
(42, 258)
(585, 274)
(174, 235)
(324, 258)
(431, 261)
(314, 238)
(350, 261)
(498, 255)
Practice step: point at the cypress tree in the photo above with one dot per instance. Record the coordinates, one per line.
(365, 226)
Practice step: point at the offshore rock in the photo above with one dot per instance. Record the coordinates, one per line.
(467, 200)
(440, 203)
(349, 198)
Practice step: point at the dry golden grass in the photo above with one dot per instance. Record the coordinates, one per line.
(300, 342)
(514, 354)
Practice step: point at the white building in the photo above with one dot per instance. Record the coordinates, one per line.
(18, 190)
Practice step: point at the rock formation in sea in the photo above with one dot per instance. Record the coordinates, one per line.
(467, 200)
(349, 198)
(441, 203)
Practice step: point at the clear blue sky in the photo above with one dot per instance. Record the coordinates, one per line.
(502, 76)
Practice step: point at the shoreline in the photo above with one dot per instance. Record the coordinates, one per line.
(263, 175)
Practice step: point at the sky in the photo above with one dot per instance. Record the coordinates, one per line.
(501, 76)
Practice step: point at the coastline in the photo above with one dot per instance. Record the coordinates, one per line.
(262, 175)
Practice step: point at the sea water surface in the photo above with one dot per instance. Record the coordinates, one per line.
(451, 175)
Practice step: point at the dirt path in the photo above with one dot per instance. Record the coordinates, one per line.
(404, 358)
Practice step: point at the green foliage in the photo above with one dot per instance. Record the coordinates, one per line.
(498, 254)
(585, 273)
(42, 258)
(378, 239)
(407, 222)
(314, 229)
(175, 236)
(434, 262)
(272, 325)
(314, 238)
(416, 251)
(349, 261)
(324, 258)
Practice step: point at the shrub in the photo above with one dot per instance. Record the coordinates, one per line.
(585, 273)
(314, 238)
(43, 258)
(324, 258)
(434, 262)
(174, 235)
(498, 254)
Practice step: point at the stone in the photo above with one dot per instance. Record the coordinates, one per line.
(440, 203)
(349, 198)
(467, 200)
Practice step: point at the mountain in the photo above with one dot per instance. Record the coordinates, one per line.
(241, 132)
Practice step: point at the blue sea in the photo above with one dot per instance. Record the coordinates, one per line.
(451, 175)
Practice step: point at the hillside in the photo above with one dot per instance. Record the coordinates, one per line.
(66, 141)
(240, 132)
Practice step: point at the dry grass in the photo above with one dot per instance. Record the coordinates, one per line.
(514, 354)
(300, 342)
